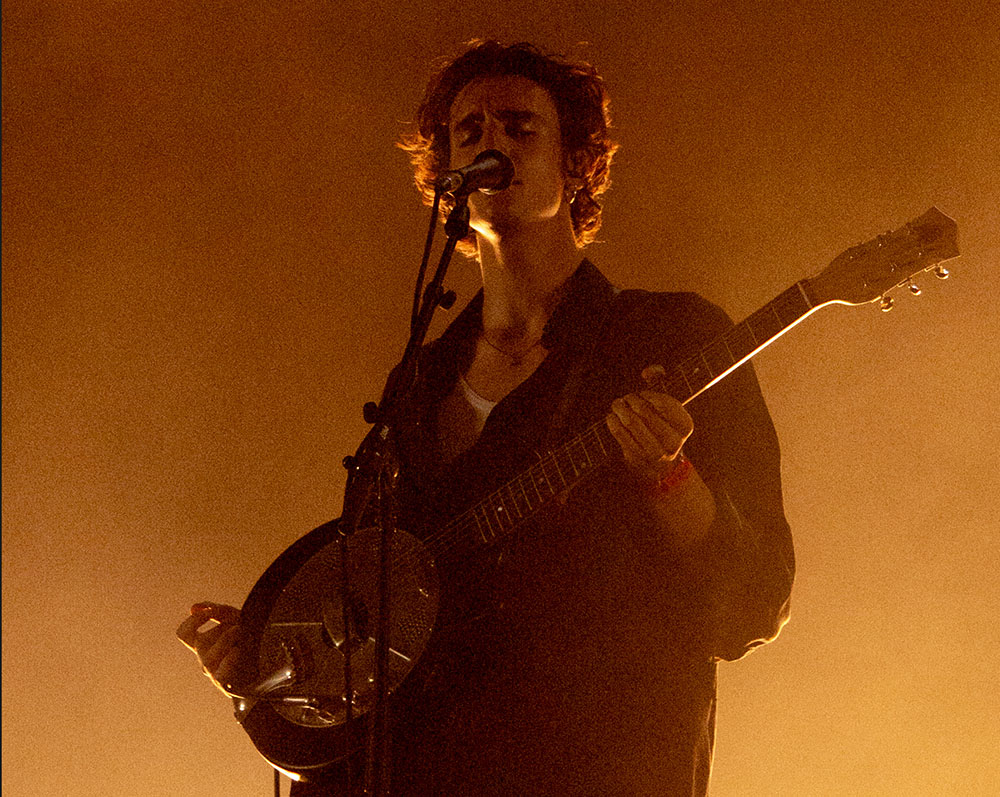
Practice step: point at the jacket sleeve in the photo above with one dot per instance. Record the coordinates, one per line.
(745, 565)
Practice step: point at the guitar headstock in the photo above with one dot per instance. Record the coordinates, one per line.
(866, 272)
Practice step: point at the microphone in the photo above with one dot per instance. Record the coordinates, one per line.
(490, 172)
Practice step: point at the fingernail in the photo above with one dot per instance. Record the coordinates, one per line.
(200, 607)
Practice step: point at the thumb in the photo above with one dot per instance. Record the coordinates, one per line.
(219, 612)
(654, 375)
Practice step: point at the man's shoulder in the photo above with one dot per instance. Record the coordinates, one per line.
(682, 312)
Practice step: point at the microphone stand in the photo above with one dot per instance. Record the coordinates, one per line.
(372, 475)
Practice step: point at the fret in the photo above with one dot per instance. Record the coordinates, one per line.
(504, 519)
(503, 510)
(565, 458)
(718, 357)
(488, 525)
(525, 500)
(793, 305)
(694, 374)
(805, 297)
(769, 324)
(765, 324)
(584, 461)
(687, 382)
(474, 514)
(490, 518)
(592, 460)
(479, 526)
(524, 481)
(774, 311)
(729, 352)
(708, 367)
(568, 451)
(600, 439)
(536, 476)
(536, 500)
(514, 509)
(741, 341)
(498, 513)
(492, 521)
(543, 475)
(562, 479)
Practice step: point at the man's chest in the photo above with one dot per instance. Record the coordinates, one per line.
(494, 374)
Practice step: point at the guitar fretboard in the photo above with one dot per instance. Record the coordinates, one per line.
(511, 505)
(696, 374)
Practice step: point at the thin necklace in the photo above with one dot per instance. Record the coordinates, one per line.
(515, 359)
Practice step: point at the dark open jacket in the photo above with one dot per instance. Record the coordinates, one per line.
(579, 656)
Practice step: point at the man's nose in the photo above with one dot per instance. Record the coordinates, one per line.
(488, 140)
(494, 136)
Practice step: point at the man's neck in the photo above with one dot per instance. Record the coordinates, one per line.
(522, 275)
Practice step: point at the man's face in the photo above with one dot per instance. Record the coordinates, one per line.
(516, 116)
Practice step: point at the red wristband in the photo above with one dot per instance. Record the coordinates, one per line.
(678, 474)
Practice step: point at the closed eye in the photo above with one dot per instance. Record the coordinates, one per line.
(471, 137)
(517, 124)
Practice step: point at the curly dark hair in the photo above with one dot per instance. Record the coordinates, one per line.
(581, 102)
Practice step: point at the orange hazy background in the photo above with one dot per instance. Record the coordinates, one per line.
(209, 243)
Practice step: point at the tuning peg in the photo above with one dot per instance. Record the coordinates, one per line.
(914, 288)
(942, 273)
(886, 304)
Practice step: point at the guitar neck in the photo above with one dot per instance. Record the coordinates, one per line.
(504, 510)
(737, 345)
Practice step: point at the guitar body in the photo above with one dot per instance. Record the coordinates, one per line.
(295, 642)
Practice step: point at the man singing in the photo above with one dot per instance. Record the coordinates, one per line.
(581, 654)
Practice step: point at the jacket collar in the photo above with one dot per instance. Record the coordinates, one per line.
(585, 293)
(575, 321)
(573, 326)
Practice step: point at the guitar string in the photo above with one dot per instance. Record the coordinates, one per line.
(539, 474)
(444, 540)
(468, 521)
(441, 542)
(790, 300)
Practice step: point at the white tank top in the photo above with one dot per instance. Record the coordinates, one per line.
(461, 419)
